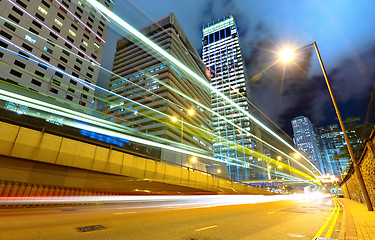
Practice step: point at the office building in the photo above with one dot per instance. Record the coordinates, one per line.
(222, 56)
(155, 90)
(305, 141)
(329, 147)
(53, 47)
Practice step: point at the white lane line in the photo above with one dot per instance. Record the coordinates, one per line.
(201, 229)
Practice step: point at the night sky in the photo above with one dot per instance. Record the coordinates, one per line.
(344, 31)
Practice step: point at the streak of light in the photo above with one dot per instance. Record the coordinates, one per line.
(164, 200)
(169, 57)
(205, 228)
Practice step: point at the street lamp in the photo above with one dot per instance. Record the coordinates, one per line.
(288, 55)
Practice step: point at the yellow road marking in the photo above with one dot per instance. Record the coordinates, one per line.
(201, 229)
(321, 230)
(330, 230)
(270, 212)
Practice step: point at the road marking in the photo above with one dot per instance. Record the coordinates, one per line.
(296, 235)
(271, 213)
(201, 229)
(321, 230)
(118, 213)
(330, 230)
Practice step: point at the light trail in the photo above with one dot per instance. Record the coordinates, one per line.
(195, 76)
(164, 200)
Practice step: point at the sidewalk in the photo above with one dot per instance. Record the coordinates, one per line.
(358, 222)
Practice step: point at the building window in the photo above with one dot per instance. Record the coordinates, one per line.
(17, 11)
(61, 16)
(13, 18)
(61, 66)
(58, 22)
(71, 89)
(68, 45)
(84, 35)
(85, 89)
(39, 73)
(74, 26)
(79, 61)
(77, 68)
(37, 24)
(58, 83)
(22, 4)
(66, 52)
(11, 27)
(64, 59)
(73, 82)
(15, 73)
(53, 90)
(84, 43)
(20, 64)
(70, 39)
(45, 4)
(53, 35)
(6, 35)
(48, 50)
(40, 17)
(36, 82)
(42, 66)
(45, 57)
(59, 75)
(3, 44)
(82, 48)
(83, 96)
(42, 10)
(33, 31)
(90, 68)
(55, 28)
(63, 9)
(69, 97)
(81, 55)
(75, 75)
(72, 33)
(89, 75)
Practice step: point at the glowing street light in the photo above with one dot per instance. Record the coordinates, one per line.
(279, 158)
(269, 167)
(287, 55)
(174, 119)
(219, 171)
(296, 155)
(279, 166)
(193, 159)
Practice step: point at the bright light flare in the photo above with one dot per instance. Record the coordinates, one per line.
(286, 55)
(174, 119)
(191, 112)
(279, 158)
(219, 171)
(193, 159)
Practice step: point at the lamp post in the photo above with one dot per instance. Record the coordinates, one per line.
(286, 56)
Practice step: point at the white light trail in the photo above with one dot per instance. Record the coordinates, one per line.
(169, 57)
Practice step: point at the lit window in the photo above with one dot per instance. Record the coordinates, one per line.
(84, 43)
(96, 45)
(30, 39)
(73, 33)
(48, 50)
(42, 10)
(58, 22)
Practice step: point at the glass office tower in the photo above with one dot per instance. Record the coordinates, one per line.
(223, 58)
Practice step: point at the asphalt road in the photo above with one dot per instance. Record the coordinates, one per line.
(287, 219)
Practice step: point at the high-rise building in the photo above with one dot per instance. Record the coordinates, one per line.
(222, 55)
(53, 47)
(304, 140)
(158, 90)
(329, 147)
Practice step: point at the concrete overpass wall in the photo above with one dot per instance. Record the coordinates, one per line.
(35, 146)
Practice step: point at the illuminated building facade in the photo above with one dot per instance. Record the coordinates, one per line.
(153, 85)
(329, 148)
(53, 47)
(305, 141)
(222, 56)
